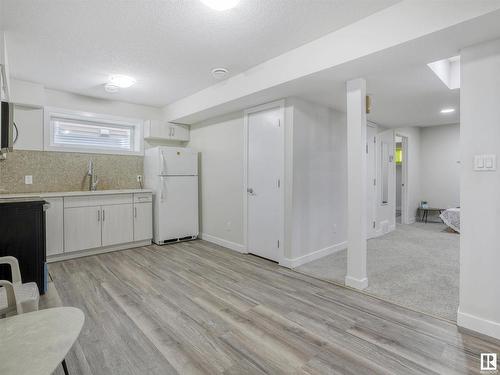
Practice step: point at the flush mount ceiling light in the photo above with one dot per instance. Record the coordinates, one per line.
(219, 73)
(121, 81)
(448, 110)
(220, 5)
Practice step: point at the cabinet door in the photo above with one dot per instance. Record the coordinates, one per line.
(117, 224)
(82, 228)
(54, 218)
(179, 133)
(143, 221)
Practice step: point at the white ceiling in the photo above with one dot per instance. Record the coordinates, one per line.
(411, 95)
(169, 46)
(405, 91)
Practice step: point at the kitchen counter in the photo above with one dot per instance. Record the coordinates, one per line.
(72, 193)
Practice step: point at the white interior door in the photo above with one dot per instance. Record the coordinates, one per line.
(371, 170)
(264, 171)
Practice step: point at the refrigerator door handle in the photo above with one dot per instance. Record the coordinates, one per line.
(163, 163)
(162, 190)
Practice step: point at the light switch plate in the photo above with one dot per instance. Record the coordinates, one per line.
(485, 163)
(28, 180)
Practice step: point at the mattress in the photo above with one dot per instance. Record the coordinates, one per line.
(451, 217)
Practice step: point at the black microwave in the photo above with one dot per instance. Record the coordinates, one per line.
(6, 126)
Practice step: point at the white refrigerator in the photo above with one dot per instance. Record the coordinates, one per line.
(172, 174)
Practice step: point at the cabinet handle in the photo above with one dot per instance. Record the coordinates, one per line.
(103, 215)
(135, 211)
(98, 215)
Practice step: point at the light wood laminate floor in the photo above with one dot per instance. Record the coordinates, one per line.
(197, 308)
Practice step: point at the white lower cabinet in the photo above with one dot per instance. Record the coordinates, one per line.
(117, 224)
(82, 228)
(54, 218)
(143, 221)
(92, 222)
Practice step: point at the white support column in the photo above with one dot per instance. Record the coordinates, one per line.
(356, 184)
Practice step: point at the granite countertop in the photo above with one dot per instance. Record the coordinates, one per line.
(70, 194)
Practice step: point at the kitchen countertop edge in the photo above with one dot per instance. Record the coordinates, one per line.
(73, 193)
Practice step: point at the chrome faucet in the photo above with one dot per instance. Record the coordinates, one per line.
(93, 181)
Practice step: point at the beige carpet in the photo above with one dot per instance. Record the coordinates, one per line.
(416, 266)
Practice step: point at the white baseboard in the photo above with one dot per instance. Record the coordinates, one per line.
(356, 283)
(295, 262)
(99, 250)
(222, 242)
(475, 323)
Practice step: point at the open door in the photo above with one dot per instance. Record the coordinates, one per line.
(386, 186)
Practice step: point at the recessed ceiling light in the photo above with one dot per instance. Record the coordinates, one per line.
(448, 110)
(220, 5)
(219, 72)
(121, 80)
(111, 88)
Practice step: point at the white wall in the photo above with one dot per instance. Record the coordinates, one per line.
(33, 97)
(319, 202)
(480, 191)
(220, 144)
(315, 178)
(439, 165)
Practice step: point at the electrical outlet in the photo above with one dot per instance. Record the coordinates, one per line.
(139, 178)
(228, 226)
(28, 180)
(334, 228)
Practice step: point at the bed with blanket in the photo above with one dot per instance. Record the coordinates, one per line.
(451, 217)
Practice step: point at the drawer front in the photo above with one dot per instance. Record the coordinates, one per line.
(97, 200)
(143, 197)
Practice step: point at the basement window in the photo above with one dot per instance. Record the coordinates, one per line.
(91, 133)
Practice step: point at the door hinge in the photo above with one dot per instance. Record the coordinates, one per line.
(374, 182)
(279, 123)
(278, 244)
(279, 183)
(374, 139)
(373, 225)
(367, 148)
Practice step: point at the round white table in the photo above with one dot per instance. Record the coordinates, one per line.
(36, 343)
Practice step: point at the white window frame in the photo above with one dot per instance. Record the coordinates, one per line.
(48, 131)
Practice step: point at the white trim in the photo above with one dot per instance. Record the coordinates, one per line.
(296, 262)
(475, 323)
(98, 250)
(356, 283)
(263, 107)
(48, 112)
(222, 242)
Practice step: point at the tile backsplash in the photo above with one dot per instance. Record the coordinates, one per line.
(66, 171)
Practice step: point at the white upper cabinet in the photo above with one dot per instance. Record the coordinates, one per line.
(162, 130)
(4, 69)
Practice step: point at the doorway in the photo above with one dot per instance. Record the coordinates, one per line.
(263, 176)
(401, 156)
